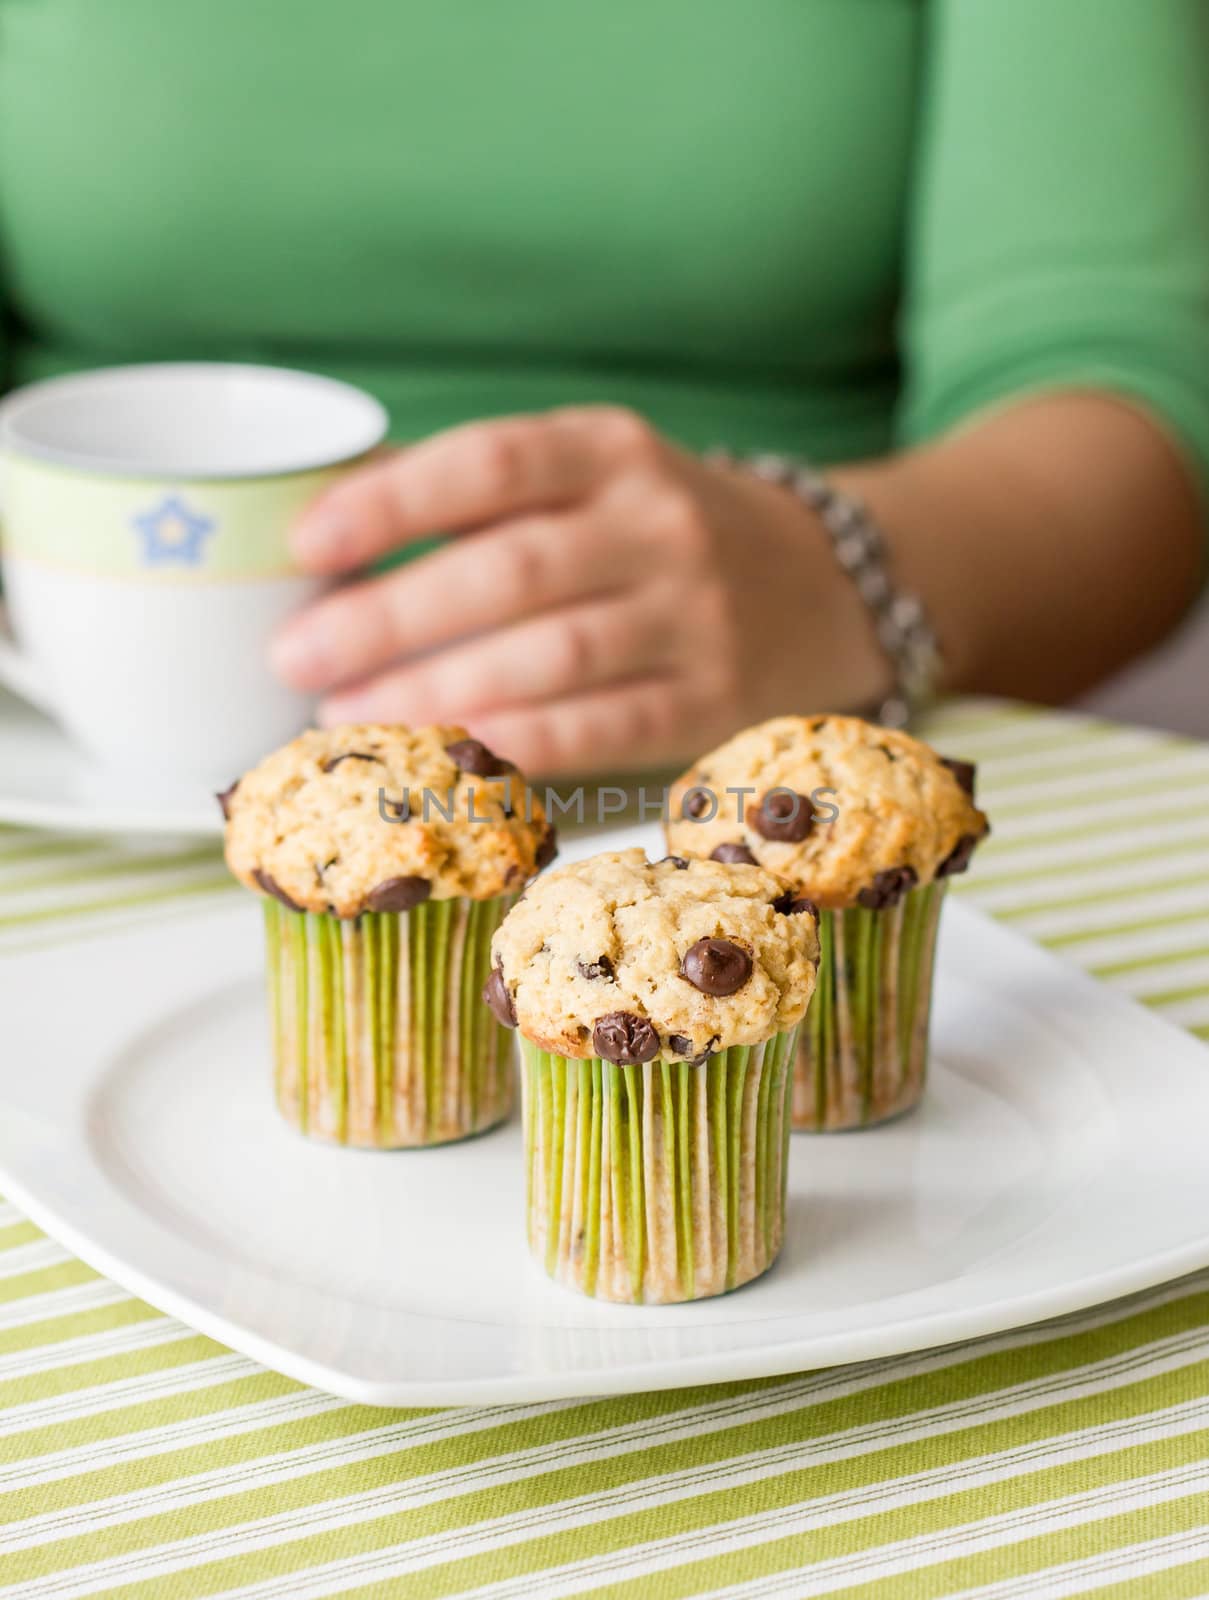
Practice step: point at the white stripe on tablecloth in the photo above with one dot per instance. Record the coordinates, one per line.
(18, 841)
(66, 895)
(1132, 812)
(1096, 878)
(1039, 861)
(1050, 1583)
(32, 1257)
(1063, 731)
(1190, 1013)
(1167, 978)
(693, 1421)
(1059, 790)
(103, 1397)
(810, 1388)
(1098, 1505)
(360, 1444)
(1144, 944)
(98, 923)
(142, 1444)
(825, 1511)
(29, 853)
(734, 1473)
(1090, 1573)
(57, 1303)
(1136, 907)
(876, 1562)
(66, 1353)
(46, 865)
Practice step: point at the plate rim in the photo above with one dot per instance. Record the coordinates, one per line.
(761, 1357)
(783, 1358)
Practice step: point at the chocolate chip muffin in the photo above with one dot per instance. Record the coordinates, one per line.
(385, 858)
(658, 1006)
(869, 824)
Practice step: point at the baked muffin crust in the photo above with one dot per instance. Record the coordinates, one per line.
(374, 817)
(635, 960)
(876, 810)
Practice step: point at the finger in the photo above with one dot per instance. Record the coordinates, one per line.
(479, 473)
(562, 653)
(488, 581)
(621, 727)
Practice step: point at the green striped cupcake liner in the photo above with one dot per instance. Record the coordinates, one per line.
(380, 1038)
(864, 1044)
(660, 1182)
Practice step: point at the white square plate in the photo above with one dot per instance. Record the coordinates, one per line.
(1059, 1159)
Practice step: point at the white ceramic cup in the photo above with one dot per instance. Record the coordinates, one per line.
(144, 554)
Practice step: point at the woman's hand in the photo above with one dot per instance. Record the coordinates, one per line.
(605, 599)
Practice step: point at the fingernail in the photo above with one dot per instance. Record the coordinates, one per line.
(296, 655)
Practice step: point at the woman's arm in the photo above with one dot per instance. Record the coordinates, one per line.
(1054, 540)
(1059, 243)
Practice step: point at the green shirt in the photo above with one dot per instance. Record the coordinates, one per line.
(822, 225)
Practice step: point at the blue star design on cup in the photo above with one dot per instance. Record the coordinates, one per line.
(173, 534)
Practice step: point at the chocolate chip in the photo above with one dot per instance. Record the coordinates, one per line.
(965, 772)
(682, 1046)
(471, 755)
(224, 800)
(781, 815)
(958, 858)
(547, 848)
(398, 894)
(733, 853)
(680, 864)
(333, 762)
(716, 966)
(499, 998)
(624, 1038)
(695, 803)
(272, 887)
(888, 888)
(602, 967)
(791, 905)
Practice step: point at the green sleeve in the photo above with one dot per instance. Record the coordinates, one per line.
(1060, 229)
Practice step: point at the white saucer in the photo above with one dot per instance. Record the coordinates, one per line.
(46, 783)
(1058, 1161)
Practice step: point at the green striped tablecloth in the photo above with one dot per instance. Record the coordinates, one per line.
(139, 1459)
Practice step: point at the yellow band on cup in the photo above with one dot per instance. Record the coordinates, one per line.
(153, 529)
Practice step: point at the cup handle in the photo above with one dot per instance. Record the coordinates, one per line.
(17, 671)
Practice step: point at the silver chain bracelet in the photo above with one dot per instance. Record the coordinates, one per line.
(903, 629)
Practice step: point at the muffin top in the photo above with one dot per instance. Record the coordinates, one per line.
(845, 812)
(380, 818)
(631, 960)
